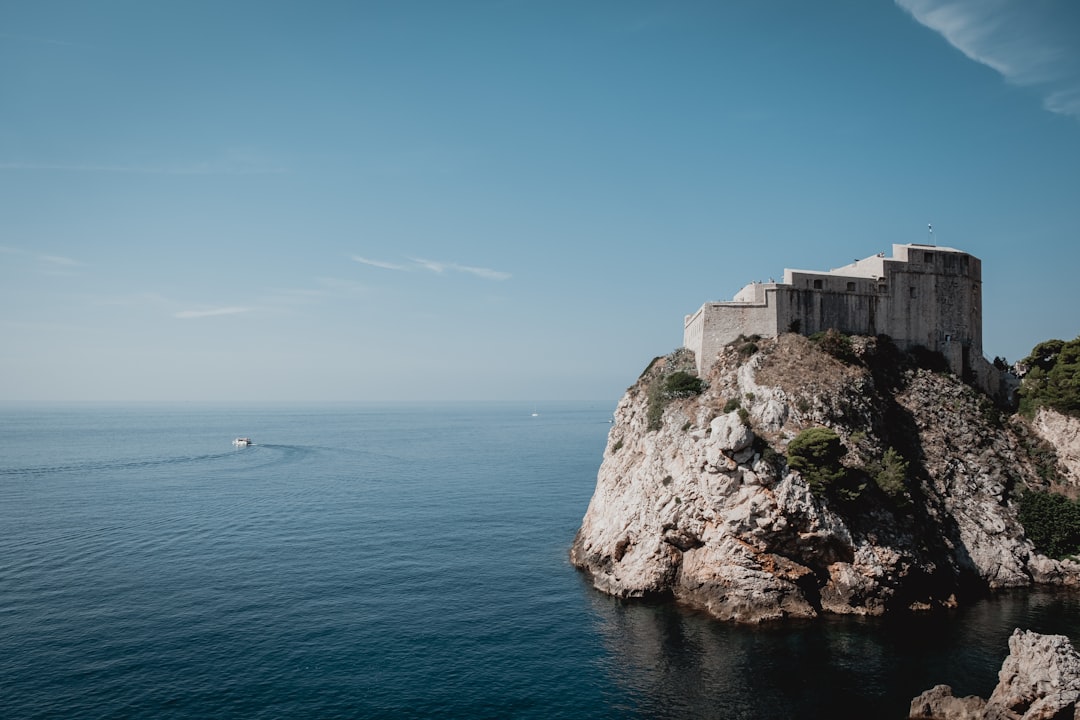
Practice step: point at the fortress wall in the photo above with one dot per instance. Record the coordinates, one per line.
(851, 313)
(715, 325)
(924, 295)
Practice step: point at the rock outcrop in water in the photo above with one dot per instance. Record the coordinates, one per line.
(1039, 680)
(695, 501)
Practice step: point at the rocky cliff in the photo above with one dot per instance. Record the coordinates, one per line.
(694, 499)
(1039, 680)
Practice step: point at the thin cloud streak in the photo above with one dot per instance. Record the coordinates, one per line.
(441, 267)
(436, 266)
(58, 260)
(378, 263)
(194, 314)
(486, 273)
(1019, 40)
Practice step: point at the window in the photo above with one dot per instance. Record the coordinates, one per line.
(883, 289)
(851, 287)
(911, 291)
(817, 284)
(928, 257)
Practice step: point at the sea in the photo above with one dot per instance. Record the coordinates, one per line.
(393, 561)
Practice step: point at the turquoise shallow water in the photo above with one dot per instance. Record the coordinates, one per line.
(390, 561)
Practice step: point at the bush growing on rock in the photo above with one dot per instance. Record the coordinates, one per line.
(836, 344)
(681, 384)
(1051, 522)
(891, 475)
(815, 453)
(1053, 380)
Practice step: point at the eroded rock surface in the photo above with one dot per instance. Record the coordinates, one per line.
(1063, 433)
(694, 499)
(1039, 680)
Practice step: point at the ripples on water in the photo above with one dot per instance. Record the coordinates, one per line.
(390, 562)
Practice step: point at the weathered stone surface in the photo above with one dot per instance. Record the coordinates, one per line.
(938, 703)
(1039, 680)
(1063, 432)
(704, 509)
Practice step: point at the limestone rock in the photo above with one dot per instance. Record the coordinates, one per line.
(1063, 432)
(704, 510)
(938, 703)
(1039, 680)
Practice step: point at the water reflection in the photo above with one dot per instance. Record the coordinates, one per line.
(677, 663)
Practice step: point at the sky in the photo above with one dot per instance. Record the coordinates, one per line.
(500, 200)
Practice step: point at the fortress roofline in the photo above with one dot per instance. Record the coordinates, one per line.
(874, 265)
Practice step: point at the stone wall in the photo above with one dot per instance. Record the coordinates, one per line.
(923, 296)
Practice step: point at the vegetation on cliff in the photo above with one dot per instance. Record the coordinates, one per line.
(1052, 379)
(833, 474)
(1052, 522)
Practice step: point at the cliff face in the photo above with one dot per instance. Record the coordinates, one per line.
(694, 499)
(1063, 434)
(1039, 680)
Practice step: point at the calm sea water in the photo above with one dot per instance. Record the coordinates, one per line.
(400, 561)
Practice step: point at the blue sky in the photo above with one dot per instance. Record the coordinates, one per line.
(503, 200)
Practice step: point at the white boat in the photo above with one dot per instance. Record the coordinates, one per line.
(242, 442)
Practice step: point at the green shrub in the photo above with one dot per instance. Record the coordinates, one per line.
(731, 405)
(836, 344)
(657, 402)
(663, 389)
(815, 453)
(1051, 522)
(1053, 380)
(682, 384)
(891, 475)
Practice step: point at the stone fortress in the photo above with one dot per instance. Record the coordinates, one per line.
(924, 295)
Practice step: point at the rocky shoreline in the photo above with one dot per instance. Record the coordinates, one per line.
(1039, 680)
(694, 499)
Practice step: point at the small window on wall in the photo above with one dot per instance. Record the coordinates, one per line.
(883, 289)
(928, 257)
(851, 287)
(911, 292)
(817, 284)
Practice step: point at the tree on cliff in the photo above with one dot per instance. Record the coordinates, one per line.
(815, 453)
(1053, 380)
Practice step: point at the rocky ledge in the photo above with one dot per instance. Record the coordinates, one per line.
(1039, 680)
(695, 500)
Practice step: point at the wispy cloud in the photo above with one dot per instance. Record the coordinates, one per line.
(58, 260)
(49, 264)
(378, 263)
(436, 266)
(195, 314)
(1030, 44)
